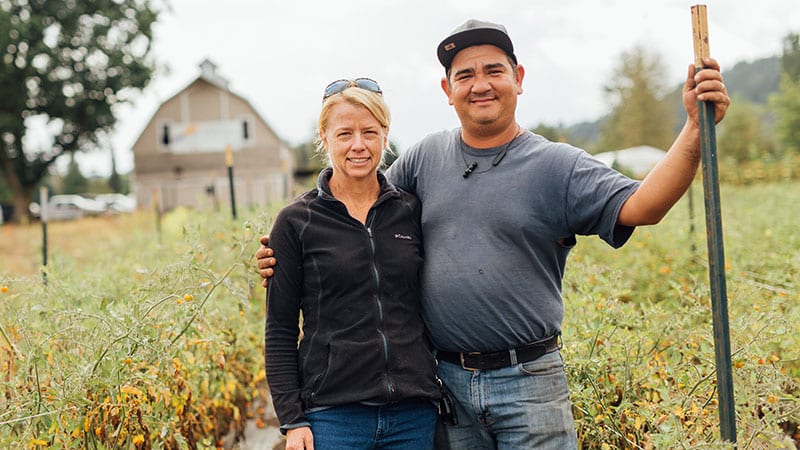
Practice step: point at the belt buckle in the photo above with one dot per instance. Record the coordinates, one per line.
(463, 365)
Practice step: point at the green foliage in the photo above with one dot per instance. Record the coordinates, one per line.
(758, 171)
(159, 337)
(786, 102)
(153, 340)
(790, 61)
(69, 62)
(557, 133)
(638, 116)
(787, 106)
(115, 181)
(638, 334)
(309, 160)
(5, 191)
(741, 136)
(752, 81)
(74, 182)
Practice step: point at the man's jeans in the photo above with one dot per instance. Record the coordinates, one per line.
(407, 425)
(522, 407)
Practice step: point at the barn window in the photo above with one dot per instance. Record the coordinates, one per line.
(248, 133)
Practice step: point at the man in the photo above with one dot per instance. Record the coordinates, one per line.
(501, 209)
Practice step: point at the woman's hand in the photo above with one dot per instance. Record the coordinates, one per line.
(299, 439)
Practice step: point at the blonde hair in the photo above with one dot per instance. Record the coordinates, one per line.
(372, 101)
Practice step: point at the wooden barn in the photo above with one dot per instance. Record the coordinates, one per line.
(182, 155)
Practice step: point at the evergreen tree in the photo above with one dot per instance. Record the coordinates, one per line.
(114, 181)
(639, 114)
(74, 182)
(790, 61)
(786, 102)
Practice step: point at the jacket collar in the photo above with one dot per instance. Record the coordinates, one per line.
(324, 189)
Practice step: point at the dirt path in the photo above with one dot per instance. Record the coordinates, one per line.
(261, 432)
(255, 438)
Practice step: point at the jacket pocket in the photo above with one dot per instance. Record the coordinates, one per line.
(352, 372)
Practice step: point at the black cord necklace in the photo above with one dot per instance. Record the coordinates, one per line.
(470, 167)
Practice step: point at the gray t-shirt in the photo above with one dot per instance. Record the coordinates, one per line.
(496, 242)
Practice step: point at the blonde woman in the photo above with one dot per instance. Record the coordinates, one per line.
(363, 375)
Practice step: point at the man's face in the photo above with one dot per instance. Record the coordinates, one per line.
(483, 87)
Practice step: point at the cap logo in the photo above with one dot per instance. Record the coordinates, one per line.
(449, 46)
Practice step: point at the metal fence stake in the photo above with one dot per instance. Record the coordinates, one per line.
(716, 253)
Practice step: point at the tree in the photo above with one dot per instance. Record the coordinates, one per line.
(553, 133)
(741, 134)
(74, 182)
(790, 61)
(786, 102)
(69, 62)
(639, 113)
(114, 181)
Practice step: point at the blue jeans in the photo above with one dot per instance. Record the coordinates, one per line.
(521, 407)
(407, 425)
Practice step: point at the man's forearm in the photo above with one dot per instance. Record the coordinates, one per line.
(666, 182)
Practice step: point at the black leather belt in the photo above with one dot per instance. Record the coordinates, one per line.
(498, 360)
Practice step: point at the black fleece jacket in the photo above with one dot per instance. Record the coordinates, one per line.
(357, 286)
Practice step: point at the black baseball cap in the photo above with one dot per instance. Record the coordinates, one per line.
(474, 32)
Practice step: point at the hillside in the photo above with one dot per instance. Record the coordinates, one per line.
(751, 81)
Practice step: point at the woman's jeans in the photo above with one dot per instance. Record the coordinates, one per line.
(521, 407)
(407, 425)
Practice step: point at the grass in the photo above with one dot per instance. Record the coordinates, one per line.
(147, 339)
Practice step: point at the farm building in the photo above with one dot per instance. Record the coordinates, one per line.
(636, 160)
(182, 155)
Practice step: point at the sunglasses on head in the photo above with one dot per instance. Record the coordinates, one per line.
(340, 85)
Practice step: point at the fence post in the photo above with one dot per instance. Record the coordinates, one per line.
(716, 253)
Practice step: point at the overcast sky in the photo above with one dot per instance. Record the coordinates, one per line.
(281, 54)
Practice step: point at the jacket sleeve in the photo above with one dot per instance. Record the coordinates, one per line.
(282, 323)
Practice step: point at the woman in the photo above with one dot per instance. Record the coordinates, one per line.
(363, 375)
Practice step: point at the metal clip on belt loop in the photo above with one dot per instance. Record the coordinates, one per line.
(513, 357)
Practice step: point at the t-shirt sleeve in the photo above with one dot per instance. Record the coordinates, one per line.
(402, 172)
(595, 196)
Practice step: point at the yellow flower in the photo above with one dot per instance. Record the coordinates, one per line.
(188, 297)
(4, 288)
(138, 440)
(38, 443)
(131, 390)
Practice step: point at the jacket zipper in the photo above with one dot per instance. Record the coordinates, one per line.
(389, 385)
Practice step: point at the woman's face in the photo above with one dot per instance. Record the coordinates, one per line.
(354, 140)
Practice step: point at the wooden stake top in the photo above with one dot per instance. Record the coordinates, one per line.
(700, 34)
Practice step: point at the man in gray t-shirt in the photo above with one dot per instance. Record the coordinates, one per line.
(500, 211)
(497, 240)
